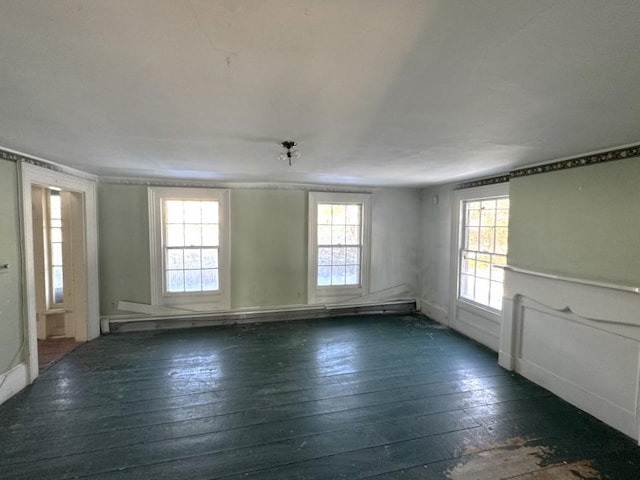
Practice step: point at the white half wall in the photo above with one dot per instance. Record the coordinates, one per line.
(580, 340)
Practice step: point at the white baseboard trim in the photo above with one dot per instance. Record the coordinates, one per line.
(435, 312)
(131, 323)
(616, 416)
(13, 381)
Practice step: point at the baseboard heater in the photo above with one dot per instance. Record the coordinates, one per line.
(137, 322)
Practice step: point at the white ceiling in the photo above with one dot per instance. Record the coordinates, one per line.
(376, 92)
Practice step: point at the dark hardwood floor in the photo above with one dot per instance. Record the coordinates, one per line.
(381, 397)
(53, 349)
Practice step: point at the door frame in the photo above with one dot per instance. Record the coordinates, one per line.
(33, 175)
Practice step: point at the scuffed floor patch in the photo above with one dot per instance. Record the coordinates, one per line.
(518, 461)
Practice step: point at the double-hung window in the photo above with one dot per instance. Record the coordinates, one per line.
(189, 247)
(53, 221)
(483, 250)
(339, 237)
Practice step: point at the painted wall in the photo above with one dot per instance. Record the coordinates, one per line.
(268, 247)
(435, 252)
(581, 222)
(395, 233)
(268, 244)
(123, 230)
(11, 311)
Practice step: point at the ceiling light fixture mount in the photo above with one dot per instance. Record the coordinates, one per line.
(289, 146)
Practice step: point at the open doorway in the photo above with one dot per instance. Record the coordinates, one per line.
(60, 285)
(61, 267)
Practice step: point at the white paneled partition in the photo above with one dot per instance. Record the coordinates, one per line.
(578, 339)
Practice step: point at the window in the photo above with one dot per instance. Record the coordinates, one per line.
(189, 247)
(53, 222)
(483, 252)
(338, 246)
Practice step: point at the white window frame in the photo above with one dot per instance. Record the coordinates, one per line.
(460, 198)
(220, 299)
(336, 293)
(50, 291)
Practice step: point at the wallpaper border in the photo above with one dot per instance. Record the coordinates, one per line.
(582, 161)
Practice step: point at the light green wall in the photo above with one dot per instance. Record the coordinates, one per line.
(395, 235)
(11, 313)
(268, 244)
(581, 222)
(268, 247)
(123, 230)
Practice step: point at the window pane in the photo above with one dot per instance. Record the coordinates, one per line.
(324, 234)
(338, 275)
(324, 276)
(488, 204)
(210, 235)
(338, 235)
(210, 280)
(210, 258)
(487, 218)
(324, 214)
(467, 285)
(503, 203)
(56, 235)
(499, 259)
(324, 256)
(175, 236)
(502, 218)
(352, 215)
(210, 212)
(55, 209)
(352, 256)
(339, 215)
(486, 239)
(174, 211)
(468, 264)
(486, 232)
(352, 235)
(175, 259)
(175, 281)
(502, 240)
(472, 238)
(497, 274)
(192, 235)
(495, 295)
(192, 259)
(192, 212)
(482, 291)
(58, 295)
(57, 284)
(473, 217)
(338, 256)
(56, 254)
(353, 275)
(192, 281)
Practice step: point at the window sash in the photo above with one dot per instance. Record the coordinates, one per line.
(55, 261)
(483, 253)
(339, 244)
(189, 245)
(339, 250)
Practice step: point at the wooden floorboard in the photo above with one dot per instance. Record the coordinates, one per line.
(380, 396)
